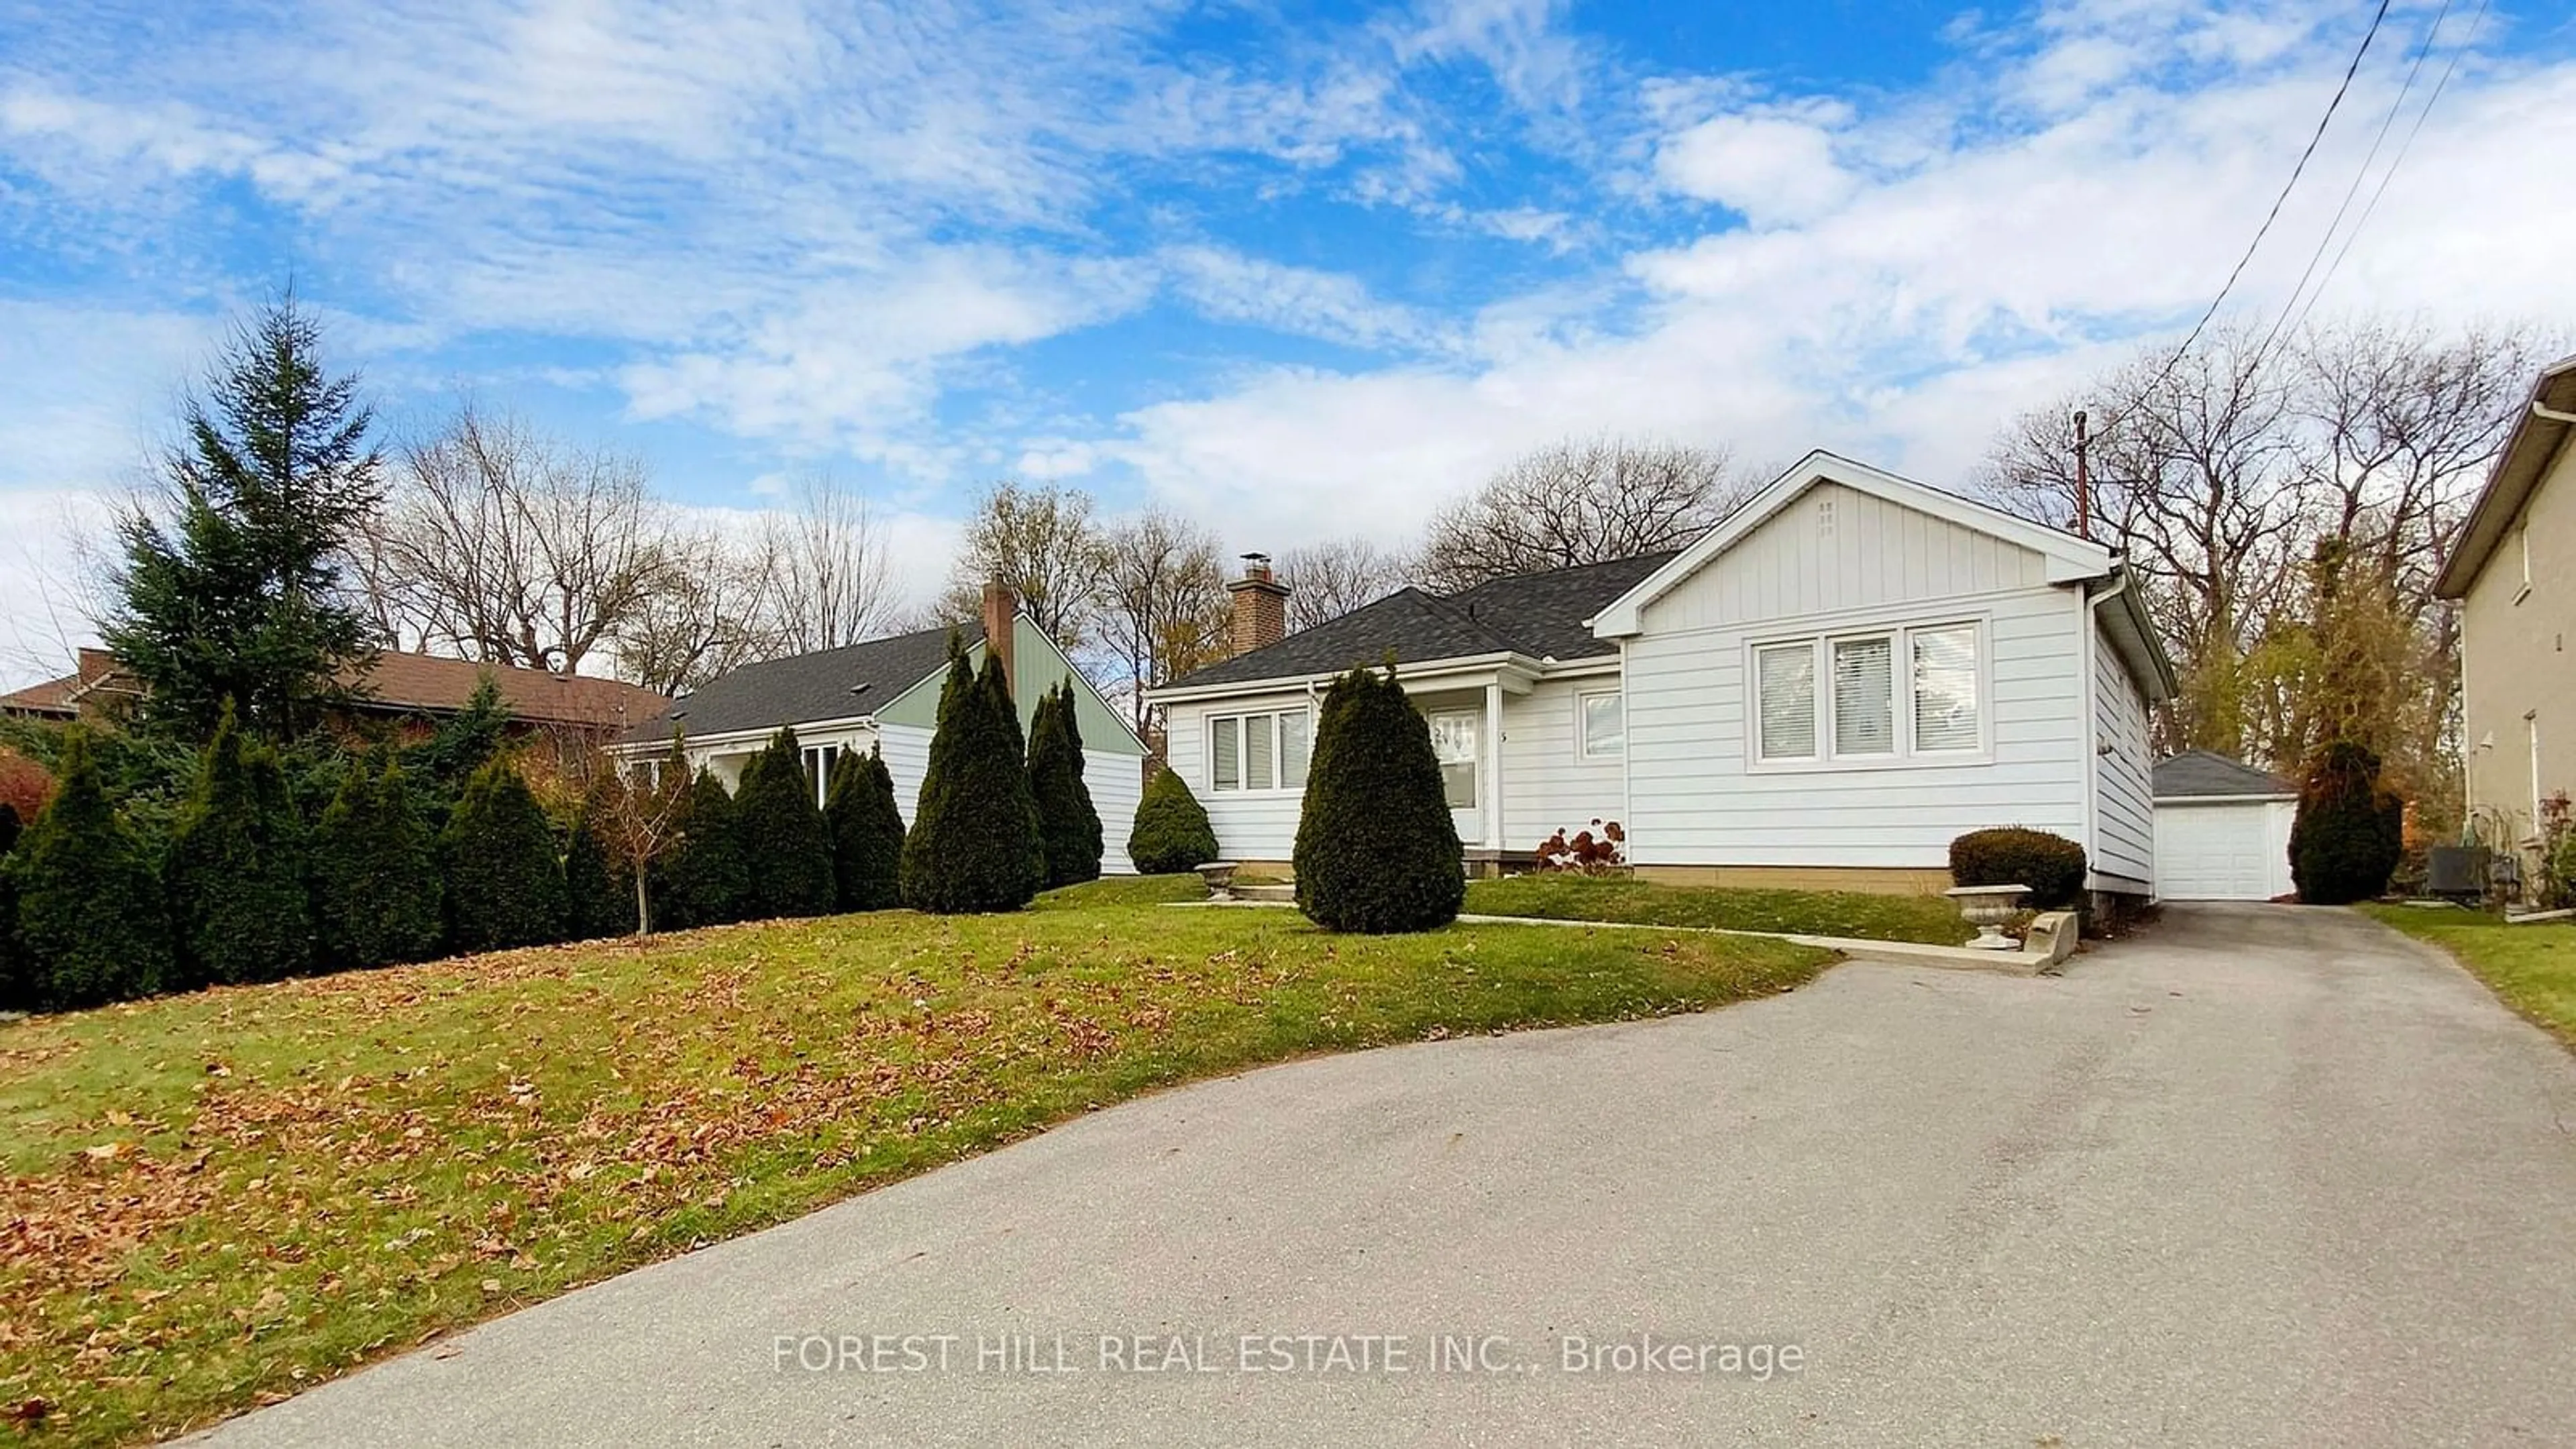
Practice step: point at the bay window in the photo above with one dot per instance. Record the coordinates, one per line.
(1254, 752)
(1910, 694)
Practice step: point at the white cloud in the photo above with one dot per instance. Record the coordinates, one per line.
(1774, 164)
(1232, 287)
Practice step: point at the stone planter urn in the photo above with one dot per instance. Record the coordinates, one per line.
(1219, 875)
(1987, 908)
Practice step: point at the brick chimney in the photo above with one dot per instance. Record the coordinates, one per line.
(1260, 606)
(1001, 606)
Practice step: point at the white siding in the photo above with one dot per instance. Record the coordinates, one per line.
(907, 757)
(1117, 783)
(1249, 826)
(1837, 548)
(2124, 816)
(1547, 784)
(1695, 801)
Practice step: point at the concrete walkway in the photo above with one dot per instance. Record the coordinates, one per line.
(2261, 1176)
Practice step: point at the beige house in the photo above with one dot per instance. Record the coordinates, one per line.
(2514, 574)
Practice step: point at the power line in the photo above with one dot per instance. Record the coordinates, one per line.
(2396, 161)
(2271, 216)
(2360, 174)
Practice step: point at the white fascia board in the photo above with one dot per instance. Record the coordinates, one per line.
(756, 736)
(2069, 559)
(1520, 664)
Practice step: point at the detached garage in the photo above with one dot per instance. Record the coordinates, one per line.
(2222, 829)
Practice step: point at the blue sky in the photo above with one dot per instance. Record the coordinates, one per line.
(1296, 272)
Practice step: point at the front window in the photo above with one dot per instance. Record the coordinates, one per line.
(1891, 695)
(819, 760)
(1259, 751)
(1453, 741)
(1605, 725)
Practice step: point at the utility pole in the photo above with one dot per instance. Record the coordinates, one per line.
(2083, 479)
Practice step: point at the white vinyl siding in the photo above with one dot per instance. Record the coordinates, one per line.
(1698, 798)
(1117, 783)
(2123, 848)
(907, 757)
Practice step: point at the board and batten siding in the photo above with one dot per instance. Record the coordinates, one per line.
(1839, 559)
(1547, 784)
(1117, 783)
(2124, 813)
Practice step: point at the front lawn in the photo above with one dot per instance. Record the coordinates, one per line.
(1559, 897)
(2532, 967)
(215, 1200)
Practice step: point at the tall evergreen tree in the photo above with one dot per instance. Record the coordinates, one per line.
(375, 872)
(704, 879)
(974, 842)
(235, 870)
(781, 829)
(867, 832)
(1377, 849)
(497, 859)
(463, 742)
(238, 593)
(90, 912)
(599, 899)
(1068, 823)
(17, 984)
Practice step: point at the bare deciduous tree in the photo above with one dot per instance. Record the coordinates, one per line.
(513, 548)
(833, 574)
(1328, 580)
(1162, 604)
(714, 610)
(1580, 502)
(1043, 543)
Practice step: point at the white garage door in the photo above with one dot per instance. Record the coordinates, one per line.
(2233, 851)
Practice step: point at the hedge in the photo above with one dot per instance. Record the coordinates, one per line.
(90, 912)
(2052, 866)
(235, 873)
(376, 883)
(867, 832)
(497, 858)
(778, 826)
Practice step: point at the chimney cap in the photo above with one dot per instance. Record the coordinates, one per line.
(1256, 558)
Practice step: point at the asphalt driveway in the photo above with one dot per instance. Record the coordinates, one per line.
(2265, 1176)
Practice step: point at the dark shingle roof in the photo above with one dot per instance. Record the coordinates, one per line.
(1540, 615)
(2200, 774)
(808, 687)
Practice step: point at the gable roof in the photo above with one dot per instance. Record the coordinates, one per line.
(1541, 615)
(2539, 435)
(2068, 558)
(829, 684)
(2207, 775)
(428, 682)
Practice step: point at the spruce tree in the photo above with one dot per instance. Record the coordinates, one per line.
(1068, 823)
(599, 897)
(974, 842)
(781, 830)
(90, 913)
(1172, 832)
(235, 870)
(497, 861)
(1377, 849)
(237, 596)
(867, 832)
(703, 879)
(375, 872)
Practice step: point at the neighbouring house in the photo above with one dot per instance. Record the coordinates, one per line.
(884, 693)
(1821, 691)
(409, 691)
(2222, 829)
(2514, 575)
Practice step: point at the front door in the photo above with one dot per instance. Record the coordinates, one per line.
(1457, 738)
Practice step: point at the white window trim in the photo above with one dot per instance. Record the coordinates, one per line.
(1906, 757)
(1583, 751)
(1243, 755)
(1478, 766)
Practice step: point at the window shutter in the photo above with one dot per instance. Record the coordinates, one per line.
(1945, 688)
(1787, 687)
(1865, 696)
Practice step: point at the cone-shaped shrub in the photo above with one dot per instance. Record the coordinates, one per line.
(497, 858)
(375, 872)
(974, 839)
(1172, 832)
(599, 899)
(867, 832)
(235, 871)
(703, 878)
(1068, 823)
(1377, 849)
(781, 833)
(17, 986)
(2348, 834)
(90, 912)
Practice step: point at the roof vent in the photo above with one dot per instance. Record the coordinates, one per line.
(859, 688)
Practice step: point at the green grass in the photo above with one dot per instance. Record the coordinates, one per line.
(215, 1200)
(1811, 913)
(2532, 967)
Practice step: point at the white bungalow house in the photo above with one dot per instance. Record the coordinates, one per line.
(1823, 690)
(884, 693)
